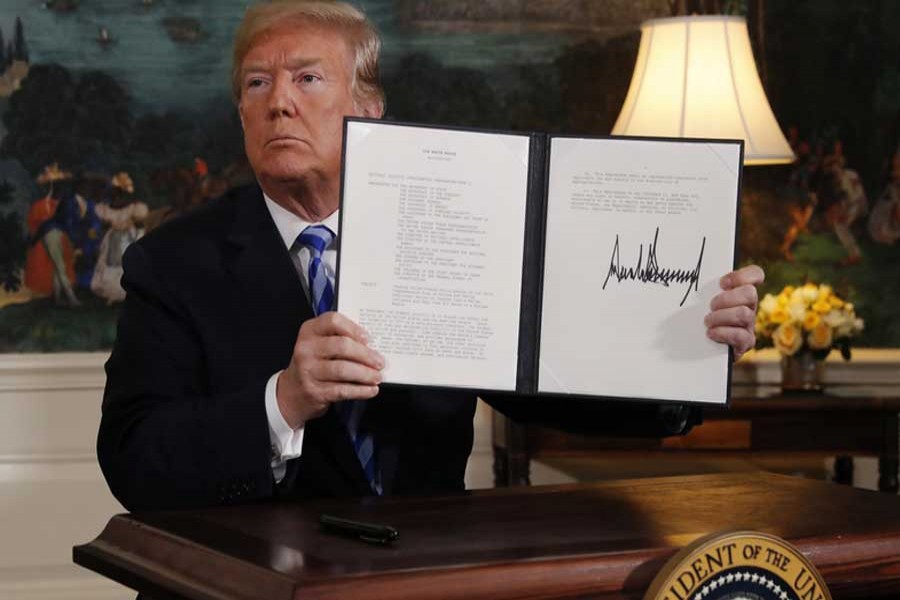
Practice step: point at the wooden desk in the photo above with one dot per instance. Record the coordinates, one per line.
(847, 421)
(604, 540)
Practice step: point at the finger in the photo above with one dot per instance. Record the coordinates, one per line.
(336, 392)
(345, 348)
(344, 371)
(737, 337)
(334, 323)
(749, 275)
(736, 316)
(746, 295)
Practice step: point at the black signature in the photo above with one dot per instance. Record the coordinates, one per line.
(651, 272)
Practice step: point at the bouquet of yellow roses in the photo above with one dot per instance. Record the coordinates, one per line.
(810, 317)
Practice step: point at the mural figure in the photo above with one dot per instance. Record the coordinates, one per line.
(843, 198)
(125, 216)
(884, 222)
(800, 211)
(822, 183)
(49, 264)
(72, 240)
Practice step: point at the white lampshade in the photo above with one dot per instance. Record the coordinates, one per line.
(695, 77)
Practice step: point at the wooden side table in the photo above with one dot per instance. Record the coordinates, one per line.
(845, 422)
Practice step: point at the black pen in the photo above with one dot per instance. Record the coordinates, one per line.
(367, 532)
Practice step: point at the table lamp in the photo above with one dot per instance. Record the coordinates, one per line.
(695, 77)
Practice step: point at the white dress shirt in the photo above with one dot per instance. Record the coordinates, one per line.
(287, 443)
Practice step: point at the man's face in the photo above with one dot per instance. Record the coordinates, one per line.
(295, 91)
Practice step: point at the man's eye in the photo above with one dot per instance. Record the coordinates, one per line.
(255, 82)
(309, 78)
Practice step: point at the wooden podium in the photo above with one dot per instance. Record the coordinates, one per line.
(604, 540)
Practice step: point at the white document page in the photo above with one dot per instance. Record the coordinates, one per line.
(638, 234)
(432, 230)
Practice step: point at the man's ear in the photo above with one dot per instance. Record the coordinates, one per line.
(241, 114)
(372, 109)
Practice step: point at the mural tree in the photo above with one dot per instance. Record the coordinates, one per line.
(19, 47)
(55, 117)
(422, 89)
(12, 241)
(102, 119)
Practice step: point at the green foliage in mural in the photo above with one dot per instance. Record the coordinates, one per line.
(43, 326)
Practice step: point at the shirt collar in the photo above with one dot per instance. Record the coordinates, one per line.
(290, 225)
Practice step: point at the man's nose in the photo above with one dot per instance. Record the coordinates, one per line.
(281, 99)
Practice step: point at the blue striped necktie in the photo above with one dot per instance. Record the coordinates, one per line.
(317, 238)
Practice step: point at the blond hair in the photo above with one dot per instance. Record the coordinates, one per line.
(360, 34)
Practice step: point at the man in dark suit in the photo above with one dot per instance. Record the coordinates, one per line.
(231, 380)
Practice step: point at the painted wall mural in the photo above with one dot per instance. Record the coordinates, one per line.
(115, 116)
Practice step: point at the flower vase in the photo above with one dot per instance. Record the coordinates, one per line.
(802, 372)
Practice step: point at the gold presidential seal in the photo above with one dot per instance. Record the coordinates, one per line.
(743, 565)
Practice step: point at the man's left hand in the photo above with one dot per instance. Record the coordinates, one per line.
(732, 313)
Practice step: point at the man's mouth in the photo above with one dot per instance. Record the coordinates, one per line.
(284, 139)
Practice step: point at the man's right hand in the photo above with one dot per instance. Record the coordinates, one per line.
(331, 362)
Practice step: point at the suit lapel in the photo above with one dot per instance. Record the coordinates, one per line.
(269, 290)
(271, 294)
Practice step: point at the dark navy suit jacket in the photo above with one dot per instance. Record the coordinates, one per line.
(213, 308)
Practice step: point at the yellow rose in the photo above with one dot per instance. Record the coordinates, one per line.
(810, 292)
(820, 337)
(835, 302)
(779, 315)
(768, 304)
(834, 318)
(787, 338)
(821, 306)
(788, 290)
(783, 299)
(825, 291)
(797, 310)
(844, 329)
(851, 325)
(811, 320)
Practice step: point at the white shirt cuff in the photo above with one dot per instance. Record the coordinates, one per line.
(287, 443)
